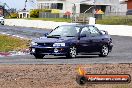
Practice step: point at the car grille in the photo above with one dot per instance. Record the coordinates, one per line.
(46, 50)
(45, 44)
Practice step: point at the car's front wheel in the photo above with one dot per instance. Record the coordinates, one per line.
(104, 51)
(39, 56)
(72, 52)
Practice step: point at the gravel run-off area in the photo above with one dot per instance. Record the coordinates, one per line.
(57, 76)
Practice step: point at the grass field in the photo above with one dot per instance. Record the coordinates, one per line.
(8, 43)
(116, 20)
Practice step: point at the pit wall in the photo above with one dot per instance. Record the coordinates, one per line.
(122, 30)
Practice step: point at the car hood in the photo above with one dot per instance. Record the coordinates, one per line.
(52, 40)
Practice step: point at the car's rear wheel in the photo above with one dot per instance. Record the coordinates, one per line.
(72, 52)
(39, 56)
(104, 51)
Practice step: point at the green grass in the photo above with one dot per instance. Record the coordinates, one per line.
(51, 19)
(116, 20)
(8, 43)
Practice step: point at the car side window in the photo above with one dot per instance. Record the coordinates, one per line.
(93, 31)
(85, 31)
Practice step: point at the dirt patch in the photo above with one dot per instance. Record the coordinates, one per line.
(57, 76)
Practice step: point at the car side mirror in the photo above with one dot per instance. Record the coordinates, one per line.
(83, 35)
(104, 32)
(45, 34)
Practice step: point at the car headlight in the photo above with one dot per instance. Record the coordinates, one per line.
(33, 43)
(59, 44)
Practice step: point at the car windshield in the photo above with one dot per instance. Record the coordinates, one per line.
(65, 31)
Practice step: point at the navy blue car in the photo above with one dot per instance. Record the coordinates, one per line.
(71, 40)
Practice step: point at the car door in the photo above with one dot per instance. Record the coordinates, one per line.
(84, 44)
(95, 38)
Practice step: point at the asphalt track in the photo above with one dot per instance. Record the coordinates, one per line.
(122, 50)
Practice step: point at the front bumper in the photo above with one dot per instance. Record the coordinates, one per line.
(49, 50)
